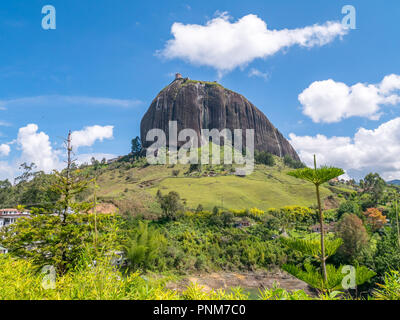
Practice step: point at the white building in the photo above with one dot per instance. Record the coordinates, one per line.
(9, 216)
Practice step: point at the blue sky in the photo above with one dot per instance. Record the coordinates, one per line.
(104, 63)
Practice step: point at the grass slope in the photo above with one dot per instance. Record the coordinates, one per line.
(265, 188)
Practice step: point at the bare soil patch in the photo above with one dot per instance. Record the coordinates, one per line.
(250, 281)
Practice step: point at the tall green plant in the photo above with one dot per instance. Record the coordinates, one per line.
(144, 247)
(58, 234)
(318, 177)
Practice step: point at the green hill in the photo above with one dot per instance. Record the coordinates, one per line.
(267, 187)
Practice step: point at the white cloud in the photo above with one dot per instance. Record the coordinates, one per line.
(369, 150)
(36, 148)
(225, 45)
(330, 101)
(87, 157)
(4, 149)
(257, 73)
(59, 100)
(88, 136)
(6, 171)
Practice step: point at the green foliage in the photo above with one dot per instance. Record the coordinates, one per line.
(277, 293)
(348, 207)
(145, 247)
(313, 276)
(313, 247)
(197, 242)
(263, 157)
(317, 176)
(390, 290)
(288, 161)
(170, 204)
(20, 280)
(374, 185)
(355, 237)
(45, 240)
(136, 147)
(387, 254)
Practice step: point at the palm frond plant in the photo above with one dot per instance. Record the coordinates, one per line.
(318, 176)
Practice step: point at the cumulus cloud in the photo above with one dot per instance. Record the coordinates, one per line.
(36, 147)
(6, 171)
(330, 101)
(88, 136)
(4, 149)
(87, 157)
(369, 150)
(225, 45)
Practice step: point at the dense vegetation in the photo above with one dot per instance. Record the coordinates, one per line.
(133, 253)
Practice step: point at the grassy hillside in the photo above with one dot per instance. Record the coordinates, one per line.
(265, 188)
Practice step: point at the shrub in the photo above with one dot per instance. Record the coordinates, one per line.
(375, 218)
(355, 237)
(288, 161)
(175, 173)
(145, 246)
(170, 204)
(390, 290)
(264, 157)
(215, 210)
(348, 207)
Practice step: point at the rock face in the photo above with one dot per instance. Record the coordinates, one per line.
(207, 105)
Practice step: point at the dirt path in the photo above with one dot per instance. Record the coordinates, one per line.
(251, 281)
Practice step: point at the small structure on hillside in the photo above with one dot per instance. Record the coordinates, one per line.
(178, 76)
(10, 215)
(327, 227)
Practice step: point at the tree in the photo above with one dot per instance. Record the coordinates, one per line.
(375, 218)
(318, 177)
(311, 275)
(374, 185)
(387, 253)
(136, 147)
(170, 204)
(355, 237)
(264, 157)
(5, 191)
(288, 161)
(348, 207)
(27, 174)
(58, 235)
(394, 214)
(144, 247)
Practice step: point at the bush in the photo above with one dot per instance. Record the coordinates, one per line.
(175, 173)
(355, 237)
(348, 207)
(264, 157)
(288, 161)
(145, 247)
(170, 204)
